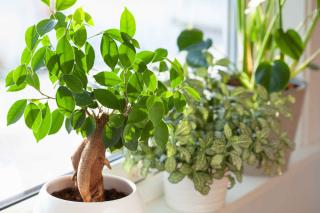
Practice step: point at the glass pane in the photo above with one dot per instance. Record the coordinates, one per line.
(23, 162)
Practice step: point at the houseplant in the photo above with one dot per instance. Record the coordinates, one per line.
(212, 139)
(268, 55)
(272, 56)
(110, 109)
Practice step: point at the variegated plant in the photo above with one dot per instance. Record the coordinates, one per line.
(216, 137)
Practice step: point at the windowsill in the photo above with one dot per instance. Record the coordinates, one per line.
(242, 195)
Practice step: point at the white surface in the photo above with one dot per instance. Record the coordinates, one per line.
(46, 203)
(183, 196)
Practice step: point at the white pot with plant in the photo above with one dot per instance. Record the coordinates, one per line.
(110, 109)
(213, 137)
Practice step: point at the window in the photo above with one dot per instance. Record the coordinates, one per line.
(23, 162)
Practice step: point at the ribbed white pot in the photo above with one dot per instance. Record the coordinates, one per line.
(184, 198)
(46, 203)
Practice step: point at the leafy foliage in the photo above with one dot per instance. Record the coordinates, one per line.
(264, 41)
(216, 137)
(127, 91)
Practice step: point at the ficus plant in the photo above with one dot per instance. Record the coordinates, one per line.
(121, 106)
(269, 54)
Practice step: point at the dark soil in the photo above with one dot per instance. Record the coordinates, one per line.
(291, 86)
(73, 194)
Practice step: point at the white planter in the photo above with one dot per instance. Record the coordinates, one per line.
(184, 198)
(46, 203)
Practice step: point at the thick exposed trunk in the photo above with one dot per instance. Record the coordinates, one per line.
(88, 162)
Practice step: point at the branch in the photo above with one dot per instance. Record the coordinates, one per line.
(47, 96)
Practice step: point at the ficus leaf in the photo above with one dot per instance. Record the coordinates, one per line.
(31, 37)
(46, 26)
(45, 124)
(66, 55)
(65, 100)
(73, 83)
(109, 51)
(64, 4)
(161, 134)
(38, 59)
(16, 111)
(126, 55)
(33, 117)
(57, 121)
(127, 23)
(108, 79)
(188, 38)
(107, 98)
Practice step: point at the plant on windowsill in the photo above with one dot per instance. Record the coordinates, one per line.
(268, 55)
(111, 109)
(212, 140)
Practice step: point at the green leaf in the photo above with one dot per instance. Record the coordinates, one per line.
(47, 2)
(136, 115)
(163, 66)
(46, 26)
(290, 43)
(179, 101)
(176, 177)
(176, 74)
(83, 99)
(216, 161)
(77, 118)
(127, 23)
(90, 56)
(33, 117)
(73, 83)
(108, 79)
(107, 98)
(135, 83)
(57, 121)
(80, 36)
(188, 38)
(65, 100)
(197, 59)
(38, 59)
(88, 19)
(145, 56)
(16, 111)
(130, 136)
(227, 130)
(20, 74)
(273, 77)
(33, 80)
(126, 55)
(170, 164)
(31, 37)
(109, 51)
(156, 113)
(45, 124)
(26, 56)
(68, 125)
(9, 78)
(160, 54)
(88, 127)
(66, 55)
(201, 162)
(193, 93)
(224, 62)
(150, 80)
(116, 120)
(161, 134)
(64, 4)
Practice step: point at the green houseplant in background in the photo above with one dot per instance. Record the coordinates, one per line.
(272, 56)
(112, 108)
(213, 138)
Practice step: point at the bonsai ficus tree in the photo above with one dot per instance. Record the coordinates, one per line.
(121, 106)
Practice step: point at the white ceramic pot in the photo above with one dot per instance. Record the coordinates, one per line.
(46, 203)
(184, 198)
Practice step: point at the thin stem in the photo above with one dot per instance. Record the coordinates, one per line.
(280, 25)
(102, 32)
(305, 64)
(47, 96)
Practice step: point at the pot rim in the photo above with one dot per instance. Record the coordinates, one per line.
(69, 178)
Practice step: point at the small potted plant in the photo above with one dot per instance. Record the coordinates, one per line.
(111, 109)
(211, 140)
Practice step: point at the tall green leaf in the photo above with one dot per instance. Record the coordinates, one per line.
(45, 124)
(65, 100)
(64, 4)
(107, 98)
(127, 23)
(109, 51)
(46, 26)
(66, 55)
(57, 121)
(31, 37)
